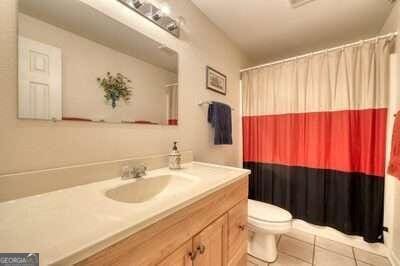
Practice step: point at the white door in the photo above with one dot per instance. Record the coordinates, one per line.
(39, 77)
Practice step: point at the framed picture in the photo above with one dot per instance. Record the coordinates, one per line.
(216, 81)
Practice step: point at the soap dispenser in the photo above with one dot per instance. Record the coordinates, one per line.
(175, 158)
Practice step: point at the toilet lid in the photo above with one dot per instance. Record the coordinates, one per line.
(266, 212)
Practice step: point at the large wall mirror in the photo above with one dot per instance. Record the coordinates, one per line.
(78, 64)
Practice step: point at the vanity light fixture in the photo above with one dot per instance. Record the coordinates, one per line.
(162, 12)
(159, 15)
(172, 26)
(165, 9)
(148, 13)
(134, 3)
(137, 4)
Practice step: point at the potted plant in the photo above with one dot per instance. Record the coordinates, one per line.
(115, 88)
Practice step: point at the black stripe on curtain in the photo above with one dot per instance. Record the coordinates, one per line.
(317, 196)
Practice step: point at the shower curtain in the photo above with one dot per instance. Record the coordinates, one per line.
(314, 137)
(172, 93)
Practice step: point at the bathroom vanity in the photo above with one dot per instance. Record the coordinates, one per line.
(193, 216)
(211, 231)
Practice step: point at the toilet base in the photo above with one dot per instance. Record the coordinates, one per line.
(263, 246)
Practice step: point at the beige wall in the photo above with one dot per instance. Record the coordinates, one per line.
(396, 226)
(28, 145)
(392, 189)
(392, 23)
(392, 185)
(81, 95)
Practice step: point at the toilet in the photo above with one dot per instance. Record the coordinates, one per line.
(264, 222)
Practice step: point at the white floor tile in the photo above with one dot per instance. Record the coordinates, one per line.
(300, 235)
(252, 261)
(286, 260)
(370, 258)
(334, 246)
(324, 257)
(360, 263)
(296, 248)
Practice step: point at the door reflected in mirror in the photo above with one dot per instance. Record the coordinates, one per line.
(81, 65)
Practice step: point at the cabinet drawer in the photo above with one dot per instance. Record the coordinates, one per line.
(237, 228)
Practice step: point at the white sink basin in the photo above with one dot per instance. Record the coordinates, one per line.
(147, 188)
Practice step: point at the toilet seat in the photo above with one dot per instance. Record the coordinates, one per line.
(267, 214)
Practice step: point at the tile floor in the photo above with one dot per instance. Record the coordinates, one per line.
(301, 249)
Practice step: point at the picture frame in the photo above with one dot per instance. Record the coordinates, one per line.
(215, 80)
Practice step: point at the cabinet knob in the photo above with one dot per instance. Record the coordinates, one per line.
(193, 255)
(201, 248)
(242, 227)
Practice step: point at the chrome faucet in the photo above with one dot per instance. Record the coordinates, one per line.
(138, 171)
(129, 172)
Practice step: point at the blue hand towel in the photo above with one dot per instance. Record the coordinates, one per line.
(219, 116)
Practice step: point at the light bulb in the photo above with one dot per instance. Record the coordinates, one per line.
(165, 9)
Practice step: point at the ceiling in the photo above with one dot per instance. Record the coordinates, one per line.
(267, 30)
(87, 22)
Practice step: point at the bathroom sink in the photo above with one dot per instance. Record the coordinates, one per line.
(147, 188)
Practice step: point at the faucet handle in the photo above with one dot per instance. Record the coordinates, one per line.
(125, 172)
(139, 171)
(144, 167)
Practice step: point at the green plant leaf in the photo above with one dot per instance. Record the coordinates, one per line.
(115, 88)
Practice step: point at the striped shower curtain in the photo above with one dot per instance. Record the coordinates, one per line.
(172, 94)
(314, 137)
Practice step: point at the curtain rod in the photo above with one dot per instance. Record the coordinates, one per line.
(172, 84)
(390, 35)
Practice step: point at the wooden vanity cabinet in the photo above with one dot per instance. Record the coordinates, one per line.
(180, 257)
(237, 237)
(209, 232)
(211, 244)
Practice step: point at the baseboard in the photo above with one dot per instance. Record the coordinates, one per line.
(333, 234)
(394, 259)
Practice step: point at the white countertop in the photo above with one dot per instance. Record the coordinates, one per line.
(67, 225)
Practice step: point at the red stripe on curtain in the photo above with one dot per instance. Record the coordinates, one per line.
(349, 141)
(172, 122)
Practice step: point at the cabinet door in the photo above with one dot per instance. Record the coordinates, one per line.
(211, 244)
(180, 257)
(237, 234)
